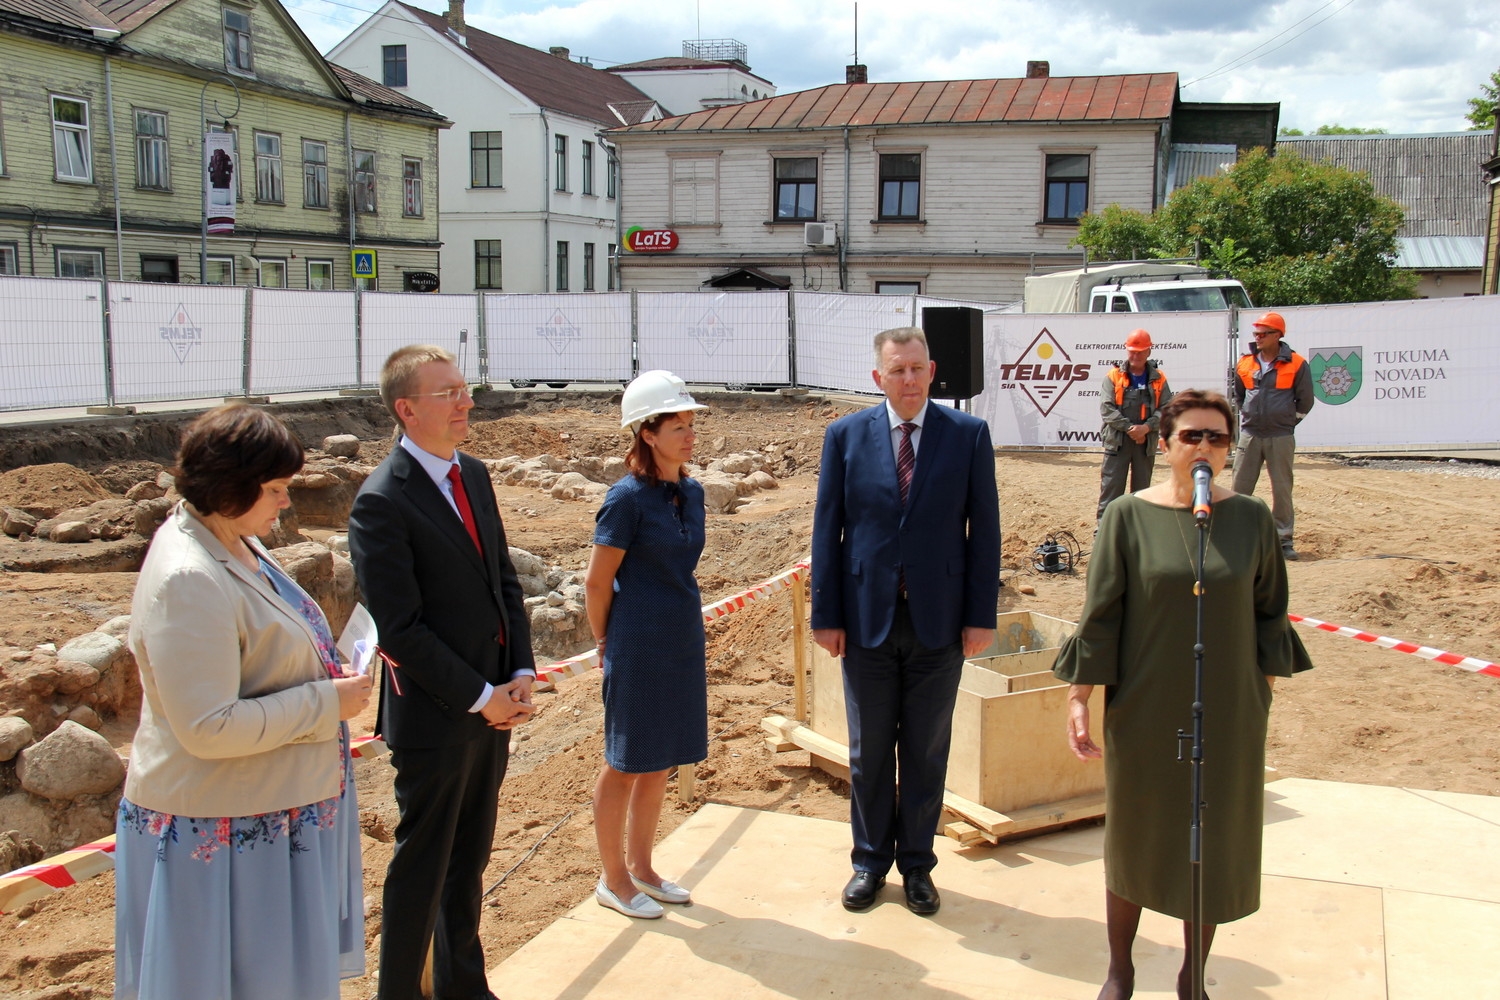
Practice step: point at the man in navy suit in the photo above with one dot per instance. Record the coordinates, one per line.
(430, 553)
(905, 577)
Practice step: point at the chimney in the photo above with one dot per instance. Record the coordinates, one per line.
(561, 51)
(858, 73)
(455, 16)
(1038, 69)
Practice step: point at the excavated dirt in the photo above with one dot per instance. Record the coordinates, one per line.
(1407, 553)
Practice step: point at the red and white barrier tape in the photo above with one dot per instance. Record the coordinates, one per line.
(34, 881)
(576, 666)
(1402, 646)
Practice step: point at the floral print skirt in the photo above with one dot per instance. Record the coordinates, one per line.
(239, 908)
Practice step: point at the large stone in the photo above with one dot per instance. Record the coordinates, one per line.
(118, 626)
(762, 480)
(721, 494)
(98, 650)
(70, 762)
(75, 677)
(15, 735)
(341, 445)
(14, 521)
(147, 490)
(576, 486)
(150, 513)
(72, 531)
(527, 564)
(323, 492)
(86, 717)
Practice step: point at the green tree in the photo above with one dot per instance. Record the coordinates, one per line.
(1293, 231)
(1482, 108)
(1334, 129)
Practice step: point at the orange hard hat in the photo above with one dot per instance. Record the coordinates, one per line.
(1139, 340)
(1272, 321)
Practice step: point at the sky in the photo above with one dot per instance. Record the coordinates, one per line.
(1402, 65)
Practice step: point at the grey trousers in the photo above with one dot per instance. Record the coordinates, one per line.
(1276, 454)
(1134, 459)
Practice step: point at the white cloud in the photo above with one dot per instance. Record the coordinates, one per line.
(1404, 65)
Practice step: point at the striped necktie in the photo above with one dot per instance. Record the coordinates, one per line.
(906, 460)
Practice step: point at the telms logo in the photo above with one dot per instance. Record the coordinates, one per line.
(559, 331)
(181, 333)
(1043, 372)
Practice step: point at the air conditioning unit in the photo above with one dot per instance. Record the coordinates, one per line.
(820, 234)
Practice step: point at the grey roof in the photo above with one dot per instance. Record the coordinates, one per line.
(1438, 178)
(1441, 253)
(1191, 160)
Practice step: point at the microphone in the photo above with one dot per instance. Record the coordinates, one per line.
(1203, 477)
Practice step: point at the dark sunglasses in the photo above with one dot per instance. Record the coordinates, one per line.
(1216, 439)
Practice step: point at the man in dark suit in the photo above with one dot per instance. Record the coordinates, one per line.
(431, 557)
(905, 576)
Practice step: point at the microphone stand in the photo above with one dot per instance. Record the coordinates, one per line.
(1195, 827)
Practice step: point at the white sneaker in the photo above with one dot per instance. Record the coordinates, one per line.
(639, 906)
(667, 892)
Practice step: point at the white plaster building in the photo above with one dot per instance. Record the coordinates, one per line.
(526, 183)
(709, 74)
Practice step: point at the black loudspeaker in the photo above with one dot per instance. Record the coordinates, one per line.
(955, 340)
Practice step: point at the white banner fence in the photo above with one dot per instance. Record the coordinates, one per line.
(1397, 374)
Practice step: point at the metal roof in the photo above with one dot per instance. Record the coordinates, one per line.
(1136, 97)
(1440, 253)
(1437, 178)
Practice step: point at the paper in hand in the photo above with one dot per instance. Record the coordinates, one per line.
(359, 640)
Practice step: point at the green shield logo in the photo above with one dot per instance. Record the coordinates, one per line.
(1337, 373)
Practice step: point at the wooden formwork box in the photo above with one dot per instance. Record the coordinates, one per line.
(1009, 769)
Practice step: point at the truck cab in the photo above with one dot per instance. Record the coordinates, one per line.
(1168, 293)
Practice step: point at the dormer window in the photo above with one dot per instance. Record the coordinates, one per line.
(237, 41)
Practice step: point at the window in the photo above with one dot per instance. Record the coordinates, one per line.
(560, 148)
(612, 176)
(393, 61)
(898, 288)
(588, 168)
(80, 263)
(159, 269)
(797, 187)
(562, 265)
(70, 139)
(9, 261)
(320, 275)
(237, 41)
(151, 151)
(314, 174)
(220, 271)
(900, 185)
(411, 187)
(272, 273)
(486, 263)
(609, 268)
(588, 267)
(695, 190)
(364, 181)
(1067, 187)
(484, 159)
(268, 182)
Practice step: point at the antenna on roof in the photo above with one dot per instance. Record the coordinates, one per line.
(856, 32)
(699, 8)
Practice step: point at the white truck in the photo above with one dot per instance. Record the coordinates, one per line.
(1137, 286)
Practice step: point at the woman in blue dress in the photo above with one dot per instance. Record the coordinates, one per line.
(647, 617)
(237, 841)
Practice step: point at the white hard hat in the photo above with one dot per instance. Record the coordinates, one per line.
(654, 393)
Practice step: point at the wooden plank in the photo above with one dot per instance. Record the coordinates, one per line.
(685, 783)
(780, 746)
(967, 835)
(799, 648)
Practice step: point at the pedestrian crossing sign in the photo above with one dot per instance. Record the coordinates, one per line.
(362, 262)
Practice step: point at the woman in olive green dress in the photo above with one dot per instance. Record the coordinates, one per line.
(1136, 636)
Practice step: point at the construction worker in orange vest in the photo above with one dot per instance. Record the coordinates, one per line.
(1273, 390)
(1130, 401)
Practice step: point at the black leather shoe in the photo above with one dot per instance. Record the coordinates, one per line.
(861, 890)
(921, 895)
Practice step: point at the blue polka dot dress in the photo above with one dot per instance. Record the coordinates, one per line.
(655, 679)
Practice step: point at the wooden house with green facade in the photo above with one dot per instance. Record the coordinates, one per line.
(104, 110)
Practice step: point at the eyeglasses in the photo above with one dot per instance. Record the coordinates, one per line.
(451, 395)
(1216, 439)
(1263, 332)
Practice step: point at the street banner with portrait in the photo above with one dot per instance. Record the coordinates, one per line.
(218, 182)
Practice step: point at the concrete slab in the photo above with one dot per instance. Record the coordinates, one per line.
(1362, 898)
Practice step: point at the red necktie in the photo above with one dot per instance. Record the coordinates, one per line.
(906, 461)
(461, 500)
